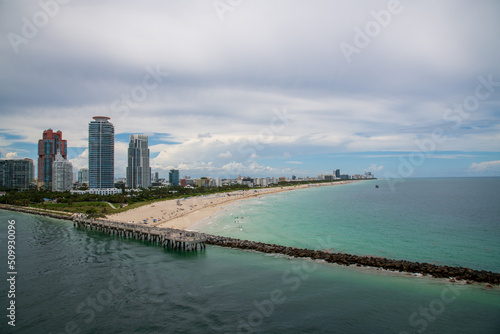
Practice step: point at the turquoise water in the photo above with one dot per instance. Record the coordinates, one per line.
(444, 221)
(73, 281)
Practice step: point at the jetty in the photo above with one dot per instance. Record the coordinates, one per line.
(167, 237)
(439, 271)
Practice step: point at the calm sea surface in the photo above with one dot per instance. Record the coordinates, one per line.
(452, 221)
(73, 281)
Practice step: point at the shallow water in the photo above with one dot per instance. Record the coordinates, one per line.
(453, 221)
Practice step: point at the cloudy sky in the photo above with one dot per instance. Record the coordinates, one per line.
(260, 88)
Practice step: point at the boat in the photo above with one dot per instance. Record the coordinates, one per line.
(376, 186)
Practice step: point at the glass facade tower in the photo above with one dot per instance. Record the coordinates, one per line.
(101, 153)
(173, 177)
(16, 173)
(337, 174)
(138, 170)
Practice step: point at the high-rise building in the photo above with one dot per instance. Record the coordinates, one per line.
(16, 173)
(50, 145)
(101, 153)
(138, 170)
(337, 173)
(83, 176)
(173, 177)
(157, 176)
(62, 174)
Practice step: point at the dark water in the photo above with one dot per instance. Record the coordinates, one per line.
(73, 281)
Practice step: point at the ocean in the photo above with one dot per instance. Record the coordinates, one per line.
(73, 281)
(452, 221)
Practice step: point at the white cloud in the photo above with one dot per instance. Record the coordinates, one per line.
(12, 155)
(295, 162)
(253, 168)
(80, 161)
(375, 168)
(225, 155)
(487, 166)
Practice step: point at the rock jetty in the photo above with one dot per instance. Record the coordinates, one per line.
(438, 271)
(33, 211)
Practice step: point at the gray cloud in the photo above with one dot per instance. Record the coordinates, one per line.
(226, 77)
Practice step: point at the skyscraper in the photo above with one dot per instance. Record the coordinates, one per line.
(173, 177)
(62, 174)
(16, 173)
(138, 170)
(101, 153)
(337, 173)
(50, 145)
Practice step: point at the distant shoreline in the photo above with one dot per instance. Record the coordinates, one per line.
(189, 212)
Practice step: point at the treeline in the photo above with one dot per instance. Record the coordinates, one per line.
(34, 196)
(174, 192)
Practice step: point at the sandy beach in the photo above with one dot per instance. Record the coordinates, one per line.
(184, 213)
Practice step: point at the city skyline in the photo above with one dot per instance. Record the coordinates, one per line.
(101, 145)
(305, 91)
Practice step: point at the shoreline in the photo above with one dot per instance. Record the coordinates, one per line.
(191, 212)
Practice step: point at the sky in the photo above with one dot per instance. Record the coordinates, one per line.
(259, 88)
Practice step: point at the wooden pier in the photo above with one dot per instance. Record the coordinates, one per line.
(167, 237)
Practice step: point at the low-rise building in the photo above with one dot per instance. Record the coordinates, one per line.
(104, 191)
(203, 182)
